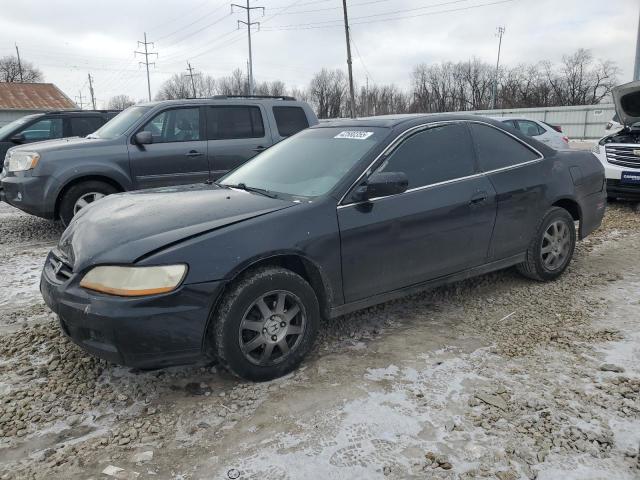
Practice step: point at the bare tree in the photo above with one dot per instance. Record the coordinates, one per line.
(180, 86)
(580, 79)
(327, 92)
(235, 84)
(120, 102)
(10, 71)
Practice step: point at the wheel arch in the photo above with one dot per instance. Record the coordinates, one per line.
(84, 178)
(574, 209)
(294, 261)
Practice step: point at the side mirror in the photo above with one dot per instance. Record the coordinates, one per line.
(382, 184)
(143, 138)
(18, 138)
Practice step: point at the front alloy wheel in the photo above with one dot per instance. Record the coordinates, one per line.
(272, 327)
(265, 324)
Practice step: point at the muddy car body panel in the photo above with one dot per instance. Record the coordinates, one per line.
(353, 252)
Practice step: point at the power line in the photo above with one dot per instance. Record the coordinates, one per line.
(355, 20)
(146, 54)
(249, 23)
(192, 23)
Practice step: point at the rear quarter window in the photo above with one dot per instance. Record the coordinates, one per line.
(496, 149)
(290, 120)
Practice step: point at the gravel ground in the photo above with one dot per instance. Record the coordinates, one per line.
(494, 377)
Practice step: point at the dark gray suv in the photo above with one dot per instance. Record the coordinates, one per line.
(149, 145)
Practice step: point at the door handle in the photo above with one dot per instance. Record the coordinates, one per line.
(194, 153)
(478, 198)
(259, 149)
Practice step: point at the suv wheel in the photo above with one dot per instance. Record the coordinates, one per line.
(266, 324)
(551, 250)
(81, 195)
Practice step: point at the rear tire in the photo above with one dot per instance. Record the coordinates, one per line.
(81, 195)
(266, 324)
(551, 248)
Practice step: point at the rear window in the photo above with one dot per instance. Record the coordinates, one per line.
(83, 126)
(290, 120)
(225, 123)
(497, 150)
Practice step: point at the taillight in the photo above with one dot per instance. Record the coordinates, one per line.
(566, 139)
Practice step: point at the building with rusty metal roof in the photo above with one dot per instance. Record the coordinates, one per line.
(19, 99)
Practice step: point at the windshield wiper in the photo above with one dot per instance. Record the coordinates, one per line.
(245, 187)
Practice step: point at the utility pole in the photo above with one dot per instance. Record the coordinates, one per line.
(79, 100)
(93, 97)
(146, 54)
(249, 23)
(19, 63)
(495, 80)
(636, 68)
(191, 75)
(367, 96)
(346, 32)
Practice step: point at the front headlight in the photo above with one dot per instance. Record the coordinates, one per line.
(21, 161)
(134, 281)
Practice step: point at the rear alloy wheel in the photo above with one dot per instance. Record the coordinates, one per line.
(552, 248)
(265, 324)
(82, 195)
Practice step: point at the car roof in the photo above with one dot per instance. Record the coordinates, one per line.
(502, 119)
(391, 121)
(284, 100)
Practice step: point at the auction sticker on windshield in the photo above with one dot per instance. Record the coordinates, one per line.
(354, 135)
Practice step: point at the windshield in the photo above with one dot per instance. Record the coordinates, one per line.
(9, 127)
(308, 164)
(120, 123)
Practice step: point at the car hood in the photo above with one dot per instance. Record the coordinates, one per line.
(122, 228)
(59, 144)
(627, 101)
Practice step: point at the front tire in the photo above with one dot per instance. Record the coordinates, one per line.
(266, 324)
(552, 247)
(81, 195)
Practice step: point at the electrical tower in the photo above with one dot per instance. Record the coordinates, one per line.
(93, 97)
(146, 63)
(249, 23)
(191, 75)
(352, 96)
(494, 92)
(79, 100)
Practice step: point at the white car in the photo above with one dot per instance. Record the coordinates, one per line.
(543, 132)
(619, 152)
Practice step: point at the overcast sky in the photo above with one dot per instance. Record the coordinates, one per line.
(297, 38)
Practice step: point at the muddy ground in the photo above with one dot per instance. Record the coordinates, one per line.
(495, 377)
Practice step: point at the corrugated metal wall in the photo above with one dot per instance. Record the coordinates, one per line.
(578, 123)
(8, 116)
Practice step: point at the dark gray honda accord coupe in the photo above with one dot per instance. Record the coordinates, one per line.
(339, 217)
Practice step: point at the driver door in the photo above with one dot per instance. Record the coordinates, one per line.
(441, 225)
(178, 153)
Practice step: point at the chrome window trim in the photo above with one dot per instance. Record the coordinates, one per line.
(394, 143)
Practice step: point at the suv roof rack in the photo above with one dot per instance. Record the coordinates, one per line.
(78, 110)
(279, 97)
